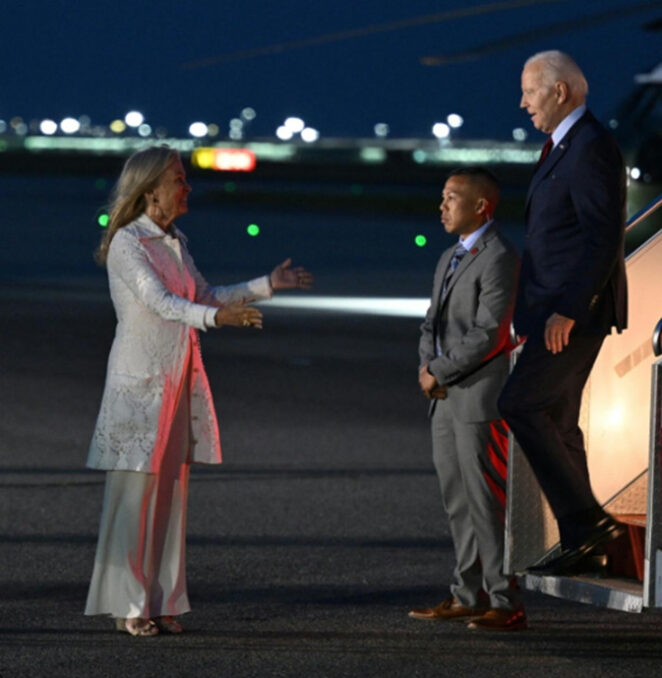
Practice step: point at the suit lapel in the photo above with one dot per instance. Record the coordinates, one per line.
(546, 167)
(556, 155)
(468, 259)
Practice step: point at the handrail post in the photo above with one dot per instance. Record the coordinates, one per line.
(653, 554)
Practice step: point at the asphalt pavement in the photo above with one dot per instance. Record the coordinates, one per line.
(306, 547)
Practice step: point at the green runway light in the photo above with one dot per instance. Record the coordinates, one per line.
(103, 220)
(230, 187)
(101, 184)
(421, 240)
(253, 230)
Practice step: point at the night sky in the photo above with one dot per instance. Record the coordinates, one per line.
(174, 60)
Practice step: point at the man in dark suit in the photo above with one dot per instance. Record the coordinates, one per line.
(571, 292)
(464, 362)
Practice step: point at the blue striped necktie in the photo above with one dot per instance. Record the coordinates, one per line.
(459, 252)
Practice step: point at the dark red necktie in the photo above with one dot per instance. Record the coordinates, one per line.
(545, 150)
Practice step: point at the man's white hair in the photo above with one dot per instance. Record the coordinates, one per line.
(560, 66)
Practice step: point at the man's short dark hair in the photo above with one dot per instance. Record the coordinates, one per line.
(488, 183)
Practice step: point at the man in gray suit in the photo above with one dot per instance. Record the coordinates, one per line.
(464, 362)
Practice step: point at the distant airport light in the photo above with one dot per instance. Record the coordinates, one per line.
(421, 240)
(373, 154)
(224, 159)
(235, 159)
(117, 126)
(613, 123)
(253, 230)
(635, 173)
(48, 127)
(198, 130)
(284, 133)
(69, 125)
(144, 130)
(381, 130)
(3, 126)
(295, 124)
(103, 220)
(134, 118)
(309, 134)
(18, 125)
(519, 134)
(441, 130)
(236, 129)
(248, 113)
(204, 158)
(213, 130)
(455, 120)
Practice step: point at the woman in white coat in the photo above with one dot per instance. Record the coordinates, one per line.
(157, 414)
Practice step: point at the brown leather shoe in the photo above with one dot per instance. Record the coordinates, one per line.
(497, 619)
(449, 609)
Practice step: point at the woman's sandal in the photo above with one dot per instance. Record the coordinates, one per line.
(168, 624)
(136, 626)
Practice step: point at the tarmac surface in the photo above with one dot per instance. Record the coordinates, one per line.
(306, 547)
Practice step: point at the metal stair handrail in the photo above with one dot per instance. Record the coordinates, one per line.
(643, 213)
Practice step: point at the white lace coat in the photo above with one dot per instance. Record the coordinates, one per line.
(160, 299)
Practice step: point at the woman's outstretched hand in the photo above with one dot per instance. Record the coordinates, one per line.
(238, 315)
(285, 278)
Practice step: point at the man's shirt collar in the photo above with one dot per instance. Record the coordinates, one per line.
(564, 126)
(470, 240)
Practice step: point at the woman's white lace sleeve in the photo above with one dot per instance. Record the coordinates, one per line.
(252, 290)
(128, 262)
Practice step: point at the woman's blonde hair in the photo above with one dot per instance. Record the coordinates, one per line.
(141, 174)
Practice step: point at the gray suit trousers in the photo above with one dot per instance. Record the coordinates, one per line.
(460, 453)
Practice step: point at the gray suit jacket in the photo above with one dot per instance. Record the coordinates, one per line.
(472, 324)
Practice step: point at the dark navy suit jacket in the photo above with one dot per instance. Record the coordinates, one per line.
(573, 258)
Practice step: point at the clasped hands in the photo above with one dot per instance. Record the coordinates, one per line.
(557, 337)
(239, 314)
(430, 386)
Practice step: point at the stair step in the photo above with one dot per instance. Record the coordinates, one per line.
(638, 519)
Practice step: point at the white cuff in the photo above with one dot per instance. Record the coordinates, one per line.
(209, 319)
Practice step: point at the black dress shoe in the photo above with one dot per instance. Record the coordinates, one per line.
(575, 561)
